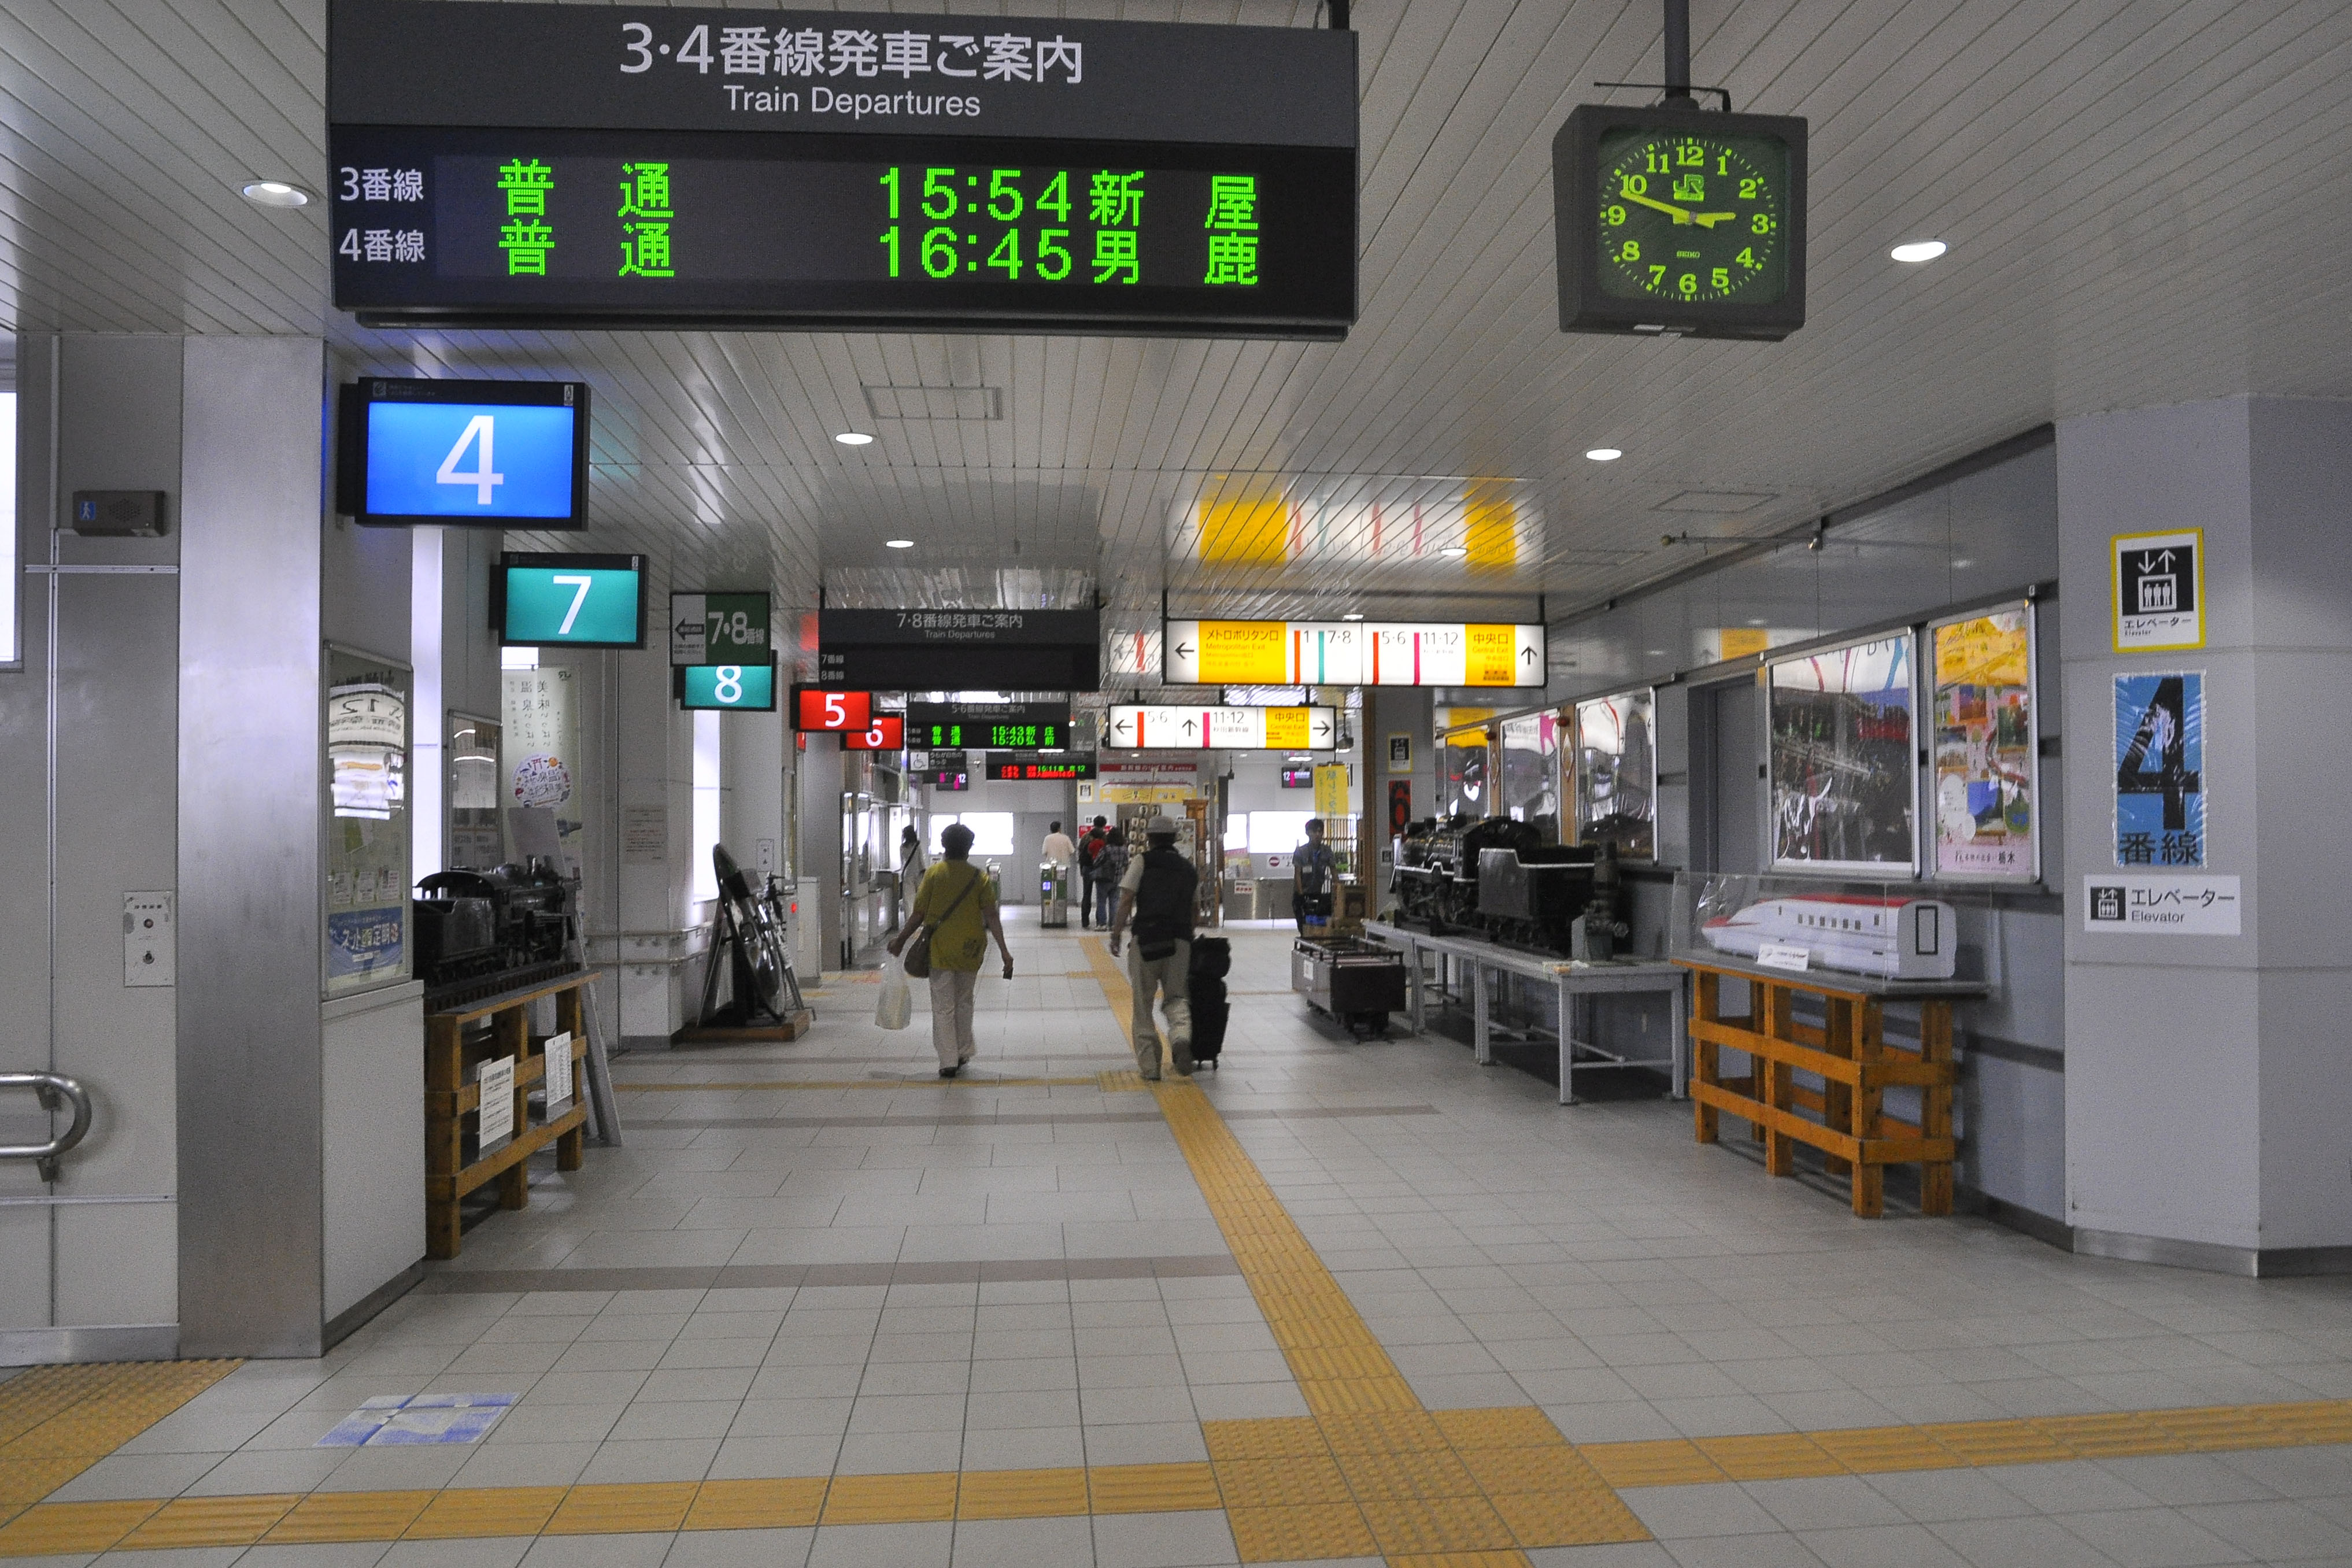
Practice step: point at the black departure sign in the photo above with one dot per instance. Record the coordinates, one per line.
(528, 164)
(927, 650)
(1006, 767)
(990, 726)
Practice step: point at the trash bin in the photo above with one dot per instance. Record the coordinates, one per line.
(1053, 895)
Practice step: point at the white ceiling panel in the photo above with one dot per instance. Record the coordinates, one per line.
(2147, 202)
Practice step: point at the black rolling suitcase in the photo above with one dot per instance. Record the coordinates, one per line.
(1212, 958)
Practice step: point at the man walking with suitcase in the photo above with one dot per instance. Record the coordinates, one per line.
(1157, 896)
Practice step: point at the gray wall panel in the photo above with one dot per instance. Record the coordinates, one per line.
(250, 1183)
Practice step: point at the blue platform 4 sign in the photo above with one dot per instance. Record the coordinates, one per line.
(470, 462)
(2160, 769)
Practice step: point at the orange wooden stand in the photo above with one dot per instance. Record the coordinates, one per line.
(1850, 1053)
(456, 1045)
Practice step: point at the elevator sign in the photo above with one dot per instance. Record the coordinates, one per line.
(1224, 729)
(1351, 653)
(2160, 591)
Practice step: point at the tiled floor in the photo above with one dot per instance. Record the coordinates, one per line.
(1019, 1272)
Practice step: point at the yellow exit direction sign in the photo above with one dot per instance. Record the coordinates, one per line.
(1137, 727)
(1351, 653)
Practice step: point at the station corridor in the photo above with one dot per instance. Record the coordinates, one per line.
(1332, 1301)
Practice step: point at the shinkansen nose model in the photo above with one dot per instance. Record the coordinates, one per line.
(1895, 938)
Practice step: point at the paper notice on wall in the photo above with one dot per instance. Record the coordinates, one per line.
(497, 1123)
(559, 1074)
(645, 834)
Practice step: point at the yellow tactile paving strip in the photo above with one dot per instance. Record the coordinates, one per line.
(1368, 1471)
(58, 1420)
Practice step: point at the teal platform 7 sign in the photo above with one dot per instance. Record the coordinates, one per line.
(569, 601)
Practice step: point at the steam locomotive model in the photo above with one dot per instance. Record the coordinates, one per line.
(1494, 878)
(482, 931)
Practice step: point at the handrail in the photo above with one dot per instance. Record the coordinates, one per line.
(50, 1087)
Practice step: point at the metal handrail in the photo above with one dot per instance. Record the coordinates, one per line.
(50, 1087)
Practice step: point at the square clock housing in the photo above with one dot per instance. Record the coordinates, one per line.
(1680, 220)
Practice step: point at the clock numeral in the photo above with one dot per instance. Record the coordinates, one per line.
(1689, 284)
(1748, 189)
(1657, 274)
(1692, 156)
(1629, 251)
(1760, 223)
(1635, 186)
(1748, 258)
(1616, 214)
(1723, 277)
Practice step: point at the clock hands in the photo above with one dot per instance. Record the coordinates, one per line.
(1680, 214)
(1708, 220)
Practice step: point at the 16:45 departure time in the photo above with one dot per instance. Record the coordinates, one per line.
(965, 223)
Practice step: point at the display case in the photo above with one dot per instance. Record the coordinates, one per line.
(1878, 930)
(1615, 772)
(1844, 772)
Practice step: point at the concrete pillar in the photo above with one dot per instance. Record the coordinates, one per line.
(2208, 1116)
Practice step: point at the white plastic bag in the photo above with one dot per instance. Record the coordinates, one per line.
(895, 1008)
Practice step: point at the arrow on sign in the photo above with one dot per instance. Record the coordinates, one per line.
(1185, 650)
(1190, 725)
(1526, 656)
(1323, 729)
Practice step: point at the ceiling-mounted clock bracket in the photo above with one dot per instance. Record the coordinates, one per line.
(1678, 85)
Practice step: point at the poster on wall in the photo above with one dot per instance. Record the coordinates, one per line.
(539, 750)
(1986, 772)
(1616, 773)
(367, 859)
(1844, 775)
(2160, 769)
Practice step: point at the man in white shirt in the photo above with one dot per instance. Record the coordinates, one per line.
(1058, 848)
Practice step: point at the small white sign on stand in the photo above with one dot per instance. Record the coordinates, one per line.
(496, 1123)
(1792, 956)
(559, 1074)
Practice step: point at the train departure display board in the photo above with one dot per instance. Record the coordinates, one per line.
(526, 165)
(990, 726)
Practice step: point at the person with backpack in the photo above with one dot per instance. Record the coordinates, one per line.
(1157, 894)
(953, 917)
(1110, 865)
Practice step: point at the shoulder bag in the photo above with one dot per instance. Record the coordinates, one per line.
(917, 957)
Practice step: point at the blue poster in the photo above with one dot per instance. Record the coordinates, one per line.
(363, 941)
(2160, 769)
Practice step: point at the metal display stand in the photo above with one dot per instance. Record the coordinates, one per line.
(1575, 984)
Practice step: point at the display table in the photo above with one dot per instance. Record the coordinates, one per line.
(1575, 984)
(456, 1043)
(1849, 1053)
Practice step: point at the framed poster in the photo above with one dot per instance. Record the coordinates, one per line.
(367, 852)
(1844, 777)
(2160, 769)
(1615, 783)
(1986, 779)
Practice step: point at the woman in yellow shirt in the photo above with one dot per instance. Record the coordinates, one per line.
(959, 903)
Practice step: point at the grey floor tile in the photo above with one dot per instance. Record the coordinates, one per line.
(1025, 1543)
(883, 1546)
(1881, 1546)
(1163, 1541)
(1721, 1509)
(2272, 1532)
(741, 1549)
(2151, 1538)
(2031, 1541)
(634, 1551)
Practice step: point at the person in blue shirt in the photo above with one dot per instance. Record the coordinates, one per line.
(1311, 876)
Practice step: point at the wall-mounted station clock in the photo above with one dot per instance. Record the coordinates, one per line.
(1680, 220)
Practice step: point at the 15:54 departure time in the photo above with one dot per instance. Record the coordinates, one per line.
(961, 204)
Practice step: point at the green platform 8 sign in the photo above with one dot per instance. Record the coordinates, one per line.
(729, 687)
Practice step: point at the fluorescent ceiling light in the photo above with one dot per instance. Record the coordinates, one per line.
(854, 439)
(900, 543)
(1918, 250)
(1604, 454)
(275, 194)
(1455, 550)
(1353, 616)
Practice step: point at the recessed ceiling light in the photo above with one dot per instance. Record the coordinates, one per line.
(1353, 616)
(854, 439)
(1657, 653)
(1757, 622)
(1455, 550)
(275, 194)
(1963, 564)
(1604, 454)
(1918, 250)
(900, 543)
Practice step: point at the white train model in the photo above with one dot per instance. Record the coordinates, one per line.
(1895, 938)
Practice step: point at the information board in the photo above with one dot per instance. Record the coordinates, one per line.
(569, 601)
(840, 169)
(1006, 767)
(475, 452)
(990, 726)
(730, 688)
(719, 628)
(1351, 653)
(929, 650)
(1224, 729)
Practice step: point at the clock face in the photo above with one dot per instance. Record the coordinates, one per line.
(1691, 217)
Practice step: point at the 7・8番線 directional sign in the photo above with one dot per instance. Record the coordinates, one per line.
(719, 628)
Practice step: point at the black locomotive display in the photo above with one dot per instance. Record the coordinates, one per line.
(1496, 879)
(482, 931)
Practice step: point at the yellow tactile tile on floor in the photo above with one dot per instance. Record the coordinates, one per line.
(58, 1528)
(485, 1511)
(1300, 1534)
(1438, 1524)
(1461, 1560)
(623, 1509)
(1293, 1481)
(1768, 1456)
(210, 1521)
(1152, 1489)
(785, 1502)
(919, 1498)
(1660, 1462)
(1022, 1494)
(326, 1517)
(1274, 1437)
(58, 1420)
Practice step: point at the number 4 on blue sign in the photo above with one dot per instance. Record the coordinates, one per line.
(478, 433)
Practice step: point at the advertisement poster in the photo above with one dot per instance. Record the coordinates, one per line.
(1617, 774)
(1985, 769)
(367, 859)
(539, 748)
(1844, 780)
(2160, 769)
